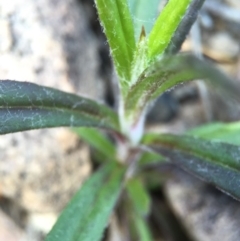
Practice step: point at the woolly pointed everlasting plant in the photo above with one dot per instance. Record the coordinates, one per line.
(146, 66)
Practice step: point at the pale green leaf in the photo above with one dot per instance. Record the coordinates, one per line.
(221, 132)
(165, 26)
(138, 195)
(142, 228)
(117, 24)
(87, 214)
(150, 158)
(25, 106)
(214, 162)
(97, 140)
(184, 27)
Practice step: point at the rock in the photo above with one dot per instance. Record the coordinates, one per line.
(5, 36)
(50, 40)
(39, 224)
(69, 25)
(206, 213)
(47, 42)
(221, 46)
(9, 231)
(42, 169)
(233, 3)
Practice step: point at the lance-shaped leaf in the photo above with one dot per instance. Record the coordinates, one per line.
(169, 72)
(221, 132)
(117, 23)
(87, 215)
(216, 163)
(150, 159)
(141, 228)
(184, 27)
(144, 14)
(25, 106)
(166, 25)
(138, 195)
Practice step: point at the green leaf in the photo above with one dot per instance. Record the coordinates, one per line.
(169, 72)
(117, 23)
(144, 14)
(97, 140)
(221, 132)
(25, 106)
(165, 26)
(142, 228)
(150, 158)
(138, 195)
(87, 215)
(184, 27)
(217, 163)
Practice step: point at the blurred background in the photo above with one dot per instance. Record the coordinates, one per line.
(59, 43)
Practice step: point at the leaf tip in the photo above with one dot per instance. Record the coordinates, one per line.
(142, 34)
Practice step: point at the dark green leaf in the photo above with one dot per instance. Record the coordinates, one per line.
(165, 26)
(25, 106)
(117, 23)
(138, 195)
(221, 132)
(217, 163)
(87, 215)
(97, 140)
(144, 14)
(169, 72)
